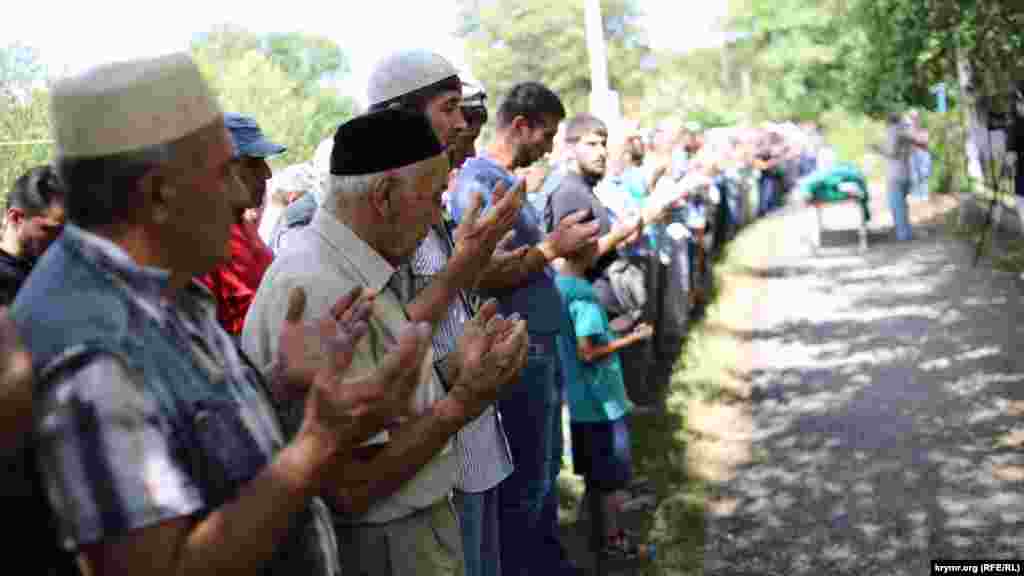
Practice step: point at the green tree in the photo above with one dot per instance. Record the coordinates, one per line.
(310, 60)
(282, 80)
(511, 41)
(788, 55)
(24, 114)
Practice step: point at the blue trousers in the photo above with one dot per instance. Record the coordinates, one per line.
(528, 501)
(481, 531)
(768, 193)
(898, 191)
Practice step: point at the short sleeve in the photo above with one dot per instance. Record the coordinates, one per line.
(565, 200)
(466, 185)
(586, 318)
(107, 457)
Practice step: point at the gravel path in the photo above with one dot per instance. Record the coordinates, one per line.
(887, 407)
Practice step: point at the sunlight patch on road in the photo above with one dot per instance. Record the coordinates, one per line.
(943, 363)
(800, 356)
(975, 383)
(936, 364)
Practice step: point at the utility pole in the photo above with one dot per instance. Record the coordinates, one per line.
(604, 102)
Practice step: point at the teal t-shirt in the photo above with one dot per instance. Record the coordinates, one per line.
(596, 390)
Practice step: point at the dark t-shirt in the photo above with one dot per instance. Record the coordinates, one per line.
(575, 193)
(13, 271)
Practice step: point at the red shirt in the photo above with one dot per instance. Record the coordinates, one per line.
(234, 282)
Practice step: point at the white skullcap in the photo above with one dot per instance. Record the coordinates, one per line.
(322, 167)
(130, 105)
(405, 72)
(296, 178)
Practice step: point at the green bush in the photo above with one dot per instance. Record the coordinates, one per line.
(946, 142)
(852, 136)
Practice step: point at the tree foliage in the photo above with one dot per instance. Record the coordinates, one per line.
(284, 81)
(875, 56)
(24, 113)
(511, 41)
(310, 60)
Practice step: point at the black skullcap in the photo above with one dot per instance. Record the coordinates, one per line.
(383, 140)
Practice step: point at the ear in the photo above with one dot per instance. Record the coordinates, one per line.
(14, 216)
(381, 192)
(157, 194)
(520, 124)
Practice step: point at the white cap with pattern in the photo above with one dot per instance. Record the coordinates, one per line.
(407, 71)
(130, 105)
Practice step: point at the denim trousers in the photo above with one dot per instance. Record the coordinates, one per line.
(768, 192)
(898, 191)
(528, 509)
(481, 531)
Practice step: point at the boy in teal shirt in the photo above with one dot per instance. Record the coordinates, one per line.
(598, 405)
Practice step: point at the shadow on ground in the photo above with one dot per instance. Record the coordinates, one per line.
(887, 403)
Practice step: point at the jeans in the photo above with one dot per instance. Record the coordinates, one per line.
(528, 510)
(898, 191)
(481, 532)
(768, 192)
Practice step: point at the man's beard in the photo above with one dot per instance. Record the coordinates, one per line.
(592, 175)
(525, 156)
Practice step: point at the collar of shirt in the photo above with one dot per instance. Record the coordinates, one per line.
(147, 285)
(361, 257)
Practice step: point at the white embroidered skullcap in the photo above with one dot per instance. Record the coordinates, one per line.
(130, 105)
(407, 71)
(296, 178)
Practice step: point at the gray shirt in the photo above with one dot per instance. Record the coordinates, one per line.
(327, 260)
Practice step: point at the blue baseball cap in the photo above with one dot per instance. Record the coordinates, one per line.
(247, 139)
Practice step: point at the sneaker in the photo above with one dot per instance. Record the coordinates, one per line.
(625, 547)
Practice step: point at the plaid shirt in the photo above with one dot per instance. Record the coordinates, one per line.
(110, 460)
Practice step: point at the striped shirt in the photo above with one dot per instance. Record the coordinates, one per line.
(483, 455)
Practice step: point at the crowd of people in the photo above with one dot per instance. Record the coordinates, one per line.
(356, 365)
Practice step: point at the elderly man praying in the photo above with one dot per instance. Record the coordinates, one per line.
(392, 506)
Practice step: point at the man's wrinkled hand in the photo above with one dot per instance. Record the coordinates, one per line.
(503, 261)
(478, 235)
(305, 346)
(15, 387)
(629, 229)
(15, 361)
(492, 352)
(570, 235)
(341, 412)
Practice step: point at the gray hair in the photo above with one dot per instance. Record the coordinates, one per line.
(100, 191)
(344, 189)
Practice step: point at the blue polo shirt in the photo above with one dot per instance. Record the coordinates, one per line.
(536, 300)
